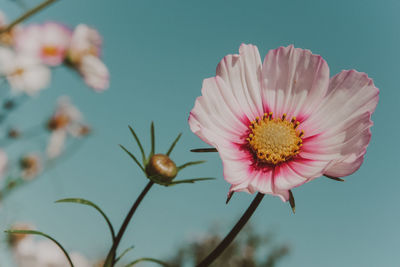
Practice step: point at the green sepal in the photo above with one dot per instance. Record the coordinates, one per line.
(189, 181)
(139, 144)
(191, 163)
(133, 157)
(173, 144)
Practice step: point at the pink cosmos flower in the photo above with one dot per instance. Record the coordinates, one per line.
(66, 120)
(84, 55)
(48, 42)
(284, 122)
(30, 252)
(24, 73)
(31, 166)
(85, 41)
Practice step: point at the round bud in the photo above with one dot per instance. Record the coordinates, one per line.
(162, 167)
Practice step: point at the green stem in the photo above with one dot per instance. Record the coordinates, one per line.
(233, 233)
(110, 260)
(27, 14)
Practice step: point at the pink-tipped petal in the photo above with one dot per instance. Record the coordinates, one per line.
(242, 74)
(341, 125)
(95, 73)
(214, 112)
(294, 81)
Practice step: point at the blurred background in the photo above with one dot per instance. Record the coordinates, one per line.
(158, 52)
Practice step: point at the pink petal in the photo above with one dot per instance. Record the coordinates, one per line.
(215, 112)
(294, 81)
(286, 178)
(339, 131)
(242, 75)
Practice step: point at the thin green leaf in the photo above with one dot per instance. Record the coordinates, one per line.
(292, 202)
(190, 163)
(91, 204)
(123, 254)
(133, 157)
(153, 140)
(334, 178)
(148, 259)
(174, 143)
(189, 181)
(32, 232)
(139, 144)
(197, 150)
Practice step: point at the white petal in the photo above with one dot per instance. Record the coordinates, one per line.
(95, 73)
(340, 129)
(242, 74)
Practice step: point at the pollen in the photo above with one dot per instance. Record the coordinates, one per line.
(274, 140)
(50, 51)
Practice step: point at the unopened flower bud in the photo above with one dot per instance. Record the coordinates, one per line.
(162, 167)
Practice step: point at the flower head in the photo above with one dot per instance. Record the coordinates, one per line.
(44, 253)
(48, 42)
(24, 73)
(85, 41)
(283, 122)
(31, 166)
(66, 120)
(84, 55)
(13, 239)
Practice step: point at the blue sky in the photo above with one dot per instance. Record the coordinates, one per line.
(158, 52)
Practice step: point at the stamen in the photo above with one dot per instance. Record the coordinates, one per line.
(274, 141)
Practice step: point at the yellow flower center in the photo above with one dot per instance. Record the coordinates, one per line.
(18, 71)
(50, 51)
(274, 141)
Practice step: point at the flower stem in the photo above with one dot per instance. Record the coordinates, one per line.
(233, 233)
(27, 14)
(110, 260)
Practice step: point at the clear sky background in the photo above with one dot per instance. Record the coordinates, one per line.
(158, 52)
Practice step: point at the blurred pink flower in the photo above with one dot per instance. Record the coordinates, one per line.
(85, 41)
(284, 122)
(24, 73)
(14, 239)
(3, 163)
(84, 55)
(31, 166)
(66, 120)
(94, 73)
(48, 42)
(44, 253)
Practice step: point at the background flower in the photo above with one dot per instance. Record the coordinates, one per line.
(25, 74)
(48, 42)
